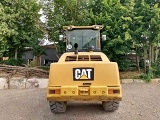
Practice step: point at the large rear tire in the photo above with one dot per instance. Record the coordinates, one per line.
(58, 106)
(110, 106)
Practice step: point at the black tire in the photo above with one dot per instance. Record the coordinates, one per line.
(58, 107)
(110, 106)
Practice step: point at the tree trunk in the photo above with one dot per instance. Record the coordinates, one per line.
(37, 60)
(16, 52)
(152, 54)
(56, 50)
(137, 62)
(145, 58)
(156, 54)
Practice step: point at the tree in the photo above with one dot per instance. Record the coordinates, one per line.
(5, 31)
(145, 30)
(21, 19)
(128, 24)
(89, 12)
(116, 19)
(37, 51)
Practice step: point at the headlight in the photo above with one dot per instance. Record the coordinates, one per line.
(69, 46)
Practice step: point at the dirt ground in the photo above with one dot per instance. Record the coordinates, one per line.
(130, 74)
(140, 102)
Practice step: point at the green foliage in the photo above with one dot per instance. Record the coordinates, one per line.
(61, 47)
(124, 64)
(37, 50)
(14, 62)
(116, 19)
(19, 24)
(32, 64)
(112, 14)
(153, 72)
(147, 77)
(128, 24)
(156, 68)
(66, 12)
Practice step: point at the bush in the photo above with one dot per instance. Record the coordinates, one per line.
(156, 68)
(14, 62)
(147, 77)
(32, 64)
(124, 64)
(153, 72)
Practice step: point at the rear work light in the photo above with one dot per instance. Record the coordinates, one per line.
(56, 91)
(111, 91)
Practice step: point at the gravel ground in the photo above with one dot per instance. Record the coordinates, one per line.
(140, 102)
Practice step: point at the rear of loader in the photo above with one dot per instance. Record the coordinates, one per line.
(84, 76)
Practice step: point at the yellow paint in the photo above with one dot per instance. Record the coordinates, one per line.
(98, 91)
(106, 76)
(69, 91)
(71, 27)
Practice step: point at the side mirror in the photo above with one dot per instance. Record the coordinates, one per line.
(103, 37)
(60, 37)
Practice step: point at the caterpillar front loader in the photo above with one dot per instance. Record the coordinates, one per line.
(83, 72)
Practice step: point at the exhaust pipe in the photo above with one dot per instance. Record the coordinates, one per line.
(76, 48)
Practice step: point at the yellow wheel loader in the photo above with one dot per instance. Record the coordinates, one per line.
(83, 72)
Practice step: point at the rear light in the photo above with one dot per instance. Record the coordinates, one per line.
(111, 91)
(56, 91)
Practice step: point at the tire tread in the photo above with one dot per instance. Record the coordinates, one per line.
(110, 106)
(57, 107)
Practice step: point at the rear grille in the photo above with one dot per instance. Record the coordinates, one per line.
(95, 58)
(71, 58)
(84, 58)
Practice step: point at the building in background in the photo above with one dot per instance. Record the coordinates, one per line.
(50, 57)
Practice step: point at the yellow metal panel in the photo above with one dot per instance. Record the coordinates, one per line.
(69, 90)
(105, 73)
(103, 56)
(83, 27)
(98, 90)
(84, 79)
(84, 98)
(54, 88)
(85, 93)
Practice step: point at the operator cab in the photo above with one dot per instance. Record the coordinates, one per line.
(82, 38)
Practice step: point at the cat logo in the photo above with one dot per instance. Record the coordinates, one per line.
(83, 74)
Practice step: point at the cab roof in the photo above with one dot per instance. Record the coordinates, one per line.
(99, 27)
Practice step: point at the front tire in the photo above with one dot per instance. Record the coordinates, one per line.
(58, 106)
(110, 106)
